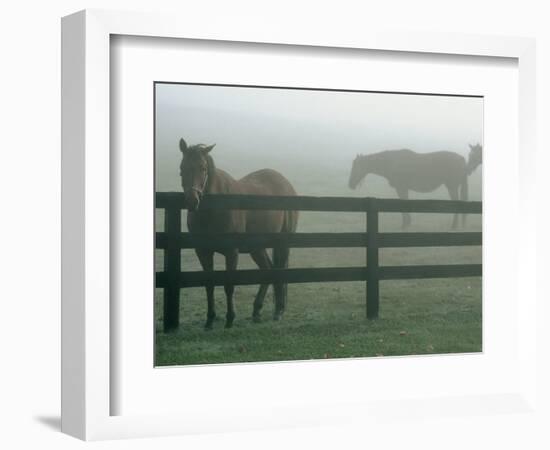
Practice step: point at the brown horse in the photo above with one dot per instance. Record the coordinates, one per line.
(200, 176)
(420, 172)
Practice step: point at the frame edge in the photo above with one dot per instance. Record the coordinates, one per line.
(73, 82)
(90, 420)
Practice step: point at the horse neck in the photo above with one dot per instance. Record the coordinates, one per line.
(213, 177)
(219, 182)
(376, 165)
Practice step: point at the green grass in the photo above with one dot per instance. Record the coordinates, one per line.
(328, 320)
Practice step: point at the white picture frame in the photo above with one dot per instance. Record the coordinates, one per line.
(86, 248)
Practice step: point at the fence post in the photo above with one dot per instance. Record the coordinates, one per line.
(373, 294)
(172, 267)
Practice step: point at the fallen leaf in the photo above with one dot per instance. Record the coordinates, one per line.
(380, 354)
(402, 333)
(342, 345)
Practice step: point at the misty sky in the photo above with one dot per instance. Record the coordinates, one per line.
(255, 128)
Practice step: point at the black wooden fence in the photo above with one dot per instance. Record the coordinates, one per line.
(172, 240)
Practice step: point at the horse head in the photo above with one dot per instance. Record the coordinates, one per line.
(474, 158)
(358, 171)
(195, 168)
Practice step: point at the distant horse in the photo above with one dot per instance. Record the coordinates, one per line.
(421, 172)
(200, 176)
(474, 158)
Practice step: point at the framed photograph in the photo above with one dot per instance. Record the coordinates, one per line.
(269, 229)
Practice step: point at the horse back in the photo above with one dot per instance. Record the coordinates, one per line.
(261, 182)
(439, 166)
(268, 182)
(421, 172)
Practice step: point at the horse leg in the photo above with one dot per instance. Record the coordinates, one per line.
(453, 193)
(403, 194)
(231, 260)
(206, 258)
(464, 197)
(280, 261)
(261, 258)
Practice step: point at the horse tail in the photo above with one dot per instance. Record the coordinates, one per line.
(281, 253)
(464, 196)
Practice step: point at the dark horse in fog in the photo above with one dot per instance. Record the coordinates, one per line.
(406, 170)
(200, 176)
(474, 158)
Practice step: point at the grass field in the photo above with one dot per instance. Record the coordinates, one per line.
(328, 320)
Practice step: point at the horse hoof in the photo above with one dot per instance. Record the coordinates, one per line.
(256, 319)
(209, 325)
(228, 324)
(277, 316)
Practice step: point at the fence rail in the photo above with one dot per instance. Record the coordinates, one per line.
(173, 240)
(253, 276)
(316, 240)
(175, 200)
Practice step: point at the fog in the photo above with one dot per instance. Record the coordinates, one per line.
(310, 136)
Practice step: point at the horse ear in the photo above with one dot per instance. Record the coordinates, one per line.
(183, 146)
(209, 148)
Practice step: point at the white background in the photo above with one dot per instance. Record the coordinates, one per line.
(30, 140)
(140, 389)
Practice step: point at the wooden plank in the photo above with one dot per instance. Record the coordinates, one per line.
(428, 206)
(264, 202)
(172, 267)
(427, 271)
(333, 274)
(254, 276)
(302, 203)
(317, 240)
(429, 239)
(263, 240)
(373, 285)
(170, 200)
(309, 203)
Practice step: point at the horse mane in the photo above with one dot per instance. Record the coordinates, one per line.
(211, 167)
